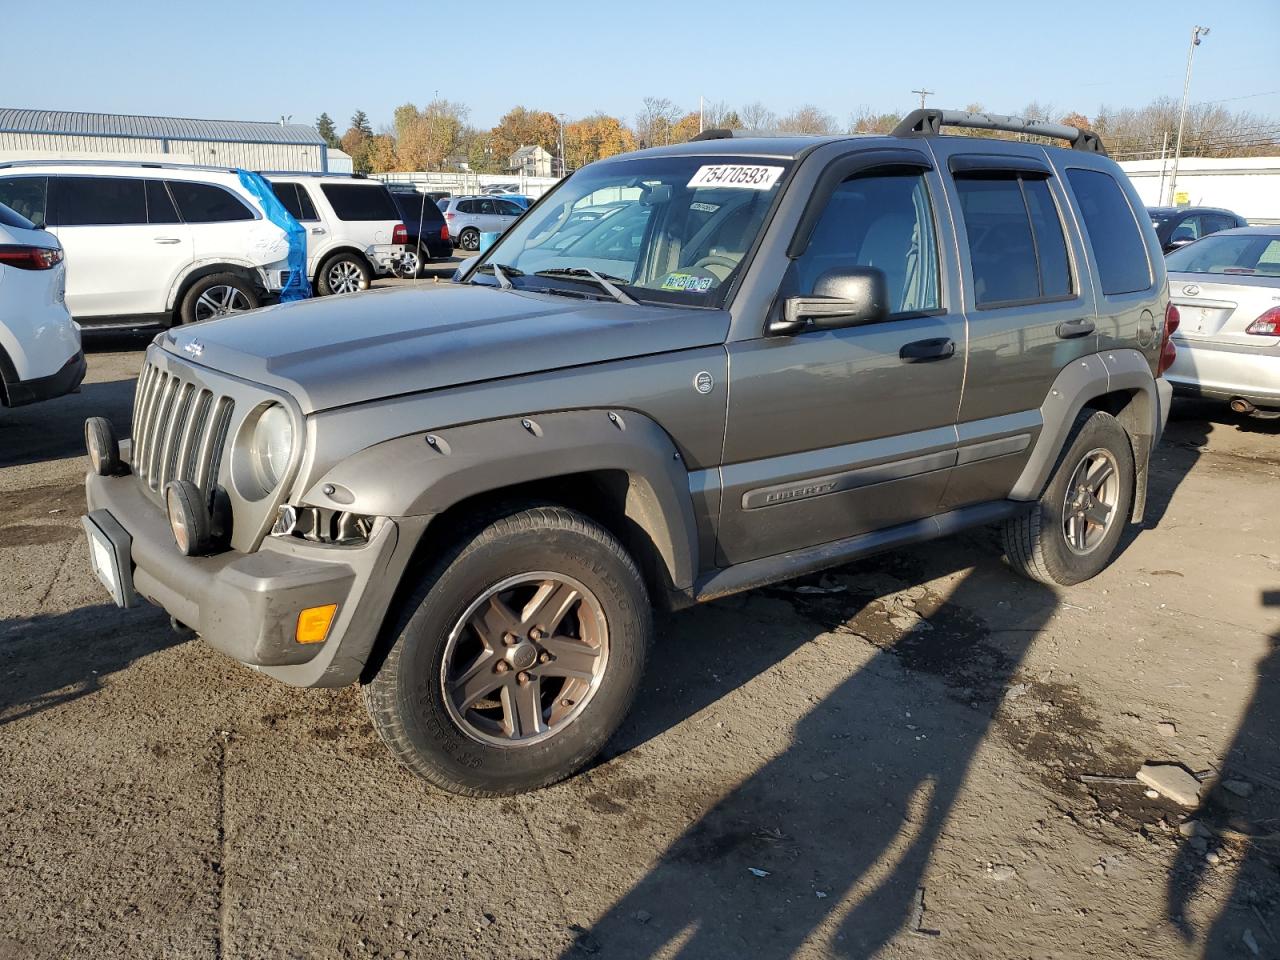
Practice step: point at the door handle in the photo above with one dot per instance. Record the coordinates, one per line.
(1068, 329)
(168, 240)
(935, 348)
(317, 230)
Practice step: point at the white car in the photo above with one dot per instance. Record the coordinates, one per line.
(145, 242)
(354, 230)
(40, 355)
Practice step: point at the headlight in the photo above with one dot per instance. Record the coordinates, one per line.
(271, 446)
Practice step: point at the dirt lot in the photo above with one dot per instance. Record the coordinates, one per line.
(887, 765)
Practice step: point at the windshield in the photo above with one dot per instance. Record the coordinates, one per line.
(1250, 255)
(667, 229)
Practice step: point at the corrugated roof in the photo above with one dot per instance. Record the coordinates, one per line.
(16, 120)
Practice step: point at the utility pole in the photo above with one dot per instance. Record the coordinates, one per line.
(923, 93)
(1196, 34)
(561, 117)
(700, 109)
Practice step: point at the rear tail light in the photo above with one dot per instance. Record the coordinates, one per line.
(399, 234)
(30, 258)
(1267, 325)
(444, 233)
(448, 216)
(1168, 352)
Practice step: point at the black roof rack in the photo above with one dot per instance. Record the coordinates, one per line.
(929, 123)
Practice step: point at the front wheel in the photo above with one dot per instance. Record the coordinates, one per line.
(1071, 533)
(517, 657)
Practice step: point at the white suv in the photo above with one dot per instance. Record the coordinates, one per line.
(353, 225)
(172, 243)
(40, 355)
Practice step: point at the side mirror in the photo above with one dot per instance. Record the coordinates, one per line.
(842, 297)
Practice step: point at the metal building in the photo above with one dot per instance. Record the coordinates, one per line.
(254, 145)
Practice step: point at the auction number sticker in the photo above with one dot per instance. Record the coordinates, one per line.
(739, 176)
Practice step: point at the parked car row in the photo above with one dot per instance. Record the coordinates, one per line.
(176, 243)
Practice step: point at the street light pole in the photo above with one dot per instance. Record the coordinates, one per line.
(1196, 33)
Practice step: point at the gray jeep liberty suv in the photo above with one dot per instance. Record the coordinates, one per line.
(757, 358)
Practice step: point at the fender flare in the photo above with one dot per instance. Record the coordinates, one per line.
(411, 476)
(1082, 381)
(194, 271)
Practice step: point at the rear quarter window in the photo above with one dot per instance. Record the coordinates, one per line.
(25, 196)
(10, 219)
(1118, 247)
(352, 201)
(205, 203)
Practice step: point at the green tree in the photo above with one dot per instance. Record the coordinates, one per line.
(360, 121)
(326, 129)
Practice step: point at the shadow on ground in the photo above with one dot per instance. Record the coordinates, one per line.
(874, 805)
(46, 661)
(1241, 814)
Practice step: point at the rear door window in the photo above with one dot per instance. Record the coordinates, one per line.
(160, 208)
(1113, 231)
(98, 201)
(360, 201)
(26, 197)
(205, 203)
(1017, 249)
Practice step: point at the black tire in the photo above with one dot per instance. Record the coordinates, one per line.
(406, 699)
(469, 239)
(352, 265)
(1036, 542)
(194, 309)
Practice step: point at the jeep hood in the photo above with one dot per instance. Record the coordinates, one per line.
(380, 343)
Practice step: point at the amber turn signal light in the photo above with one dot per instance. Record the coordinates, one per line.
(314, 622)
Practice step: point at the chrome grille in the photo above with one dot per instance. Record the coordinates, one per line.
(179, 430)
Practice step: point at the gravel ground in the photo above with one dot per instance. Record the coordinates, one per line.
(888, 763)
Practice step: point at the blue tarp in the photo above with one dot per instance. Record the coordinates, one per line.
(298, 287)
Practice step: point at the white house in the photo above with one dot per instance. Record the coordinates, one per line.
(532, 161)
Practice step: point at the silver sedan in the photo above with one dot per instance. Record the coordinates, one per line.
(1227, 291)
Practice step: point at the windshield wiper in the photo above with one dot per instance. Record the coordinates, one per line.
(501, 272)
(606, 282)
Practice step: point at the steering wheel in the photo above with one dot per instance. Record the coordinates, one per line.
(714, 259)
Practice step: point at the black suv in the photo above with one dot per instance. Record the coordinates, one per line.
(428, 234)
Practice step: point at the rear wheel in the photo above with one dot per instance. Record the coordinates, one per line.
(1071, 533)
(343, 273)
(218, 295)
(469, 239)
(516, 658)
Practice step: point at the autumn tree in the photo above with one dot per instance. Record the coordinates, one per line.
(427, 138)
(595, 138)
(686, 128)
(326, 129)
(522, 127)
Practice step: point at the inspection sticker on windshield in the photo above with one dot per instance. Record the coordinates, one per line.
(740, 176)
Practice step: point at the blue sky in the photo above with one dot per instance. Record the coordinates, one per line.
(171, 58)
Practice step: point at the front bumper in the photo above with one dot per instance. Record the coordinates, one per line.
(246, 605)
(18, 393)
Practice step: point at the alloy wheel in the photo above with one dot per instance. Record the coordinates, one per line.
(1089, 507)
(345, 277)
(524, 659)
(220, 301)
